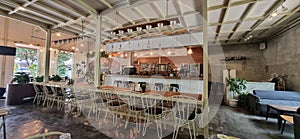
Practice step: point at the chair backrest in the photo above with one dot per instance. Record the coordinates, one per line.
(37, 88)
(47, 89)
(159, 86)
(118, 83)
(185, 107)
(297, 126)
(152, 100)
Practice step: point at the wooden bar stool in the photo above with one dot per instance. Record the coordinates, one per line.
(285, 118)
(3, 114)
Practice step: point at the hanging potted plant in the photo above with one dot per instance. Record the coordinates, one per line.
(235, 87)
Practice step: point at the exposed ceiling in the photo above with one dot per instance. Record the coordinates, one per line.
(230, 21)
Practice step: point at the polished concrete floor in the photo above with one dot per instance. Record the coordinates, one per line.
(28, 119)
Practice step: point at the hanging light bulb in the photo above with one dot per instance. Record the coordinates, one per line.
(135, 54)
(190, 51)
(126, 55)
(151, 52)
(73, 47)
(169, 52)
(101, 49)
(122, 55)
(274, 14)
(109, 55)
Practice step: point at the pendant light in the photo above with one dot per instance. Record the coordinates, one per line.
(190, 51)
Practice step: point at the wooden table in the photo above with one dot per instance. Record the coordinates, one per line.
(3, 114)
(281, 109)
(285, 118)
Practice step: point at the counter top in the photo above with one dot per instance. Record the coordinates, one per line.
(159, 77)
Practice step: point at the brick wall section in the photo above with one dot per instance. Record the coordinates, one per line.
(196, 57)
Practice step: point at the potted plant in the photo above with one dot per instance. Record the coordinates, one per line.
(39, 78)
(55, 78)
(235, 86)
(243, 99)
(21, 78)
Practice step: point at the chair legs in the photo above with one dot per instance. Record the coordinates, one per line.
(282, 129)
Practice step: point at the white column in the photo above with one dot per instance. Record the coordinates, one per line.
(97, 50)
(47, 54)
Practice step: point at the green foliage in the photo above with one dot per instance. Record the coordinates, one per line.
(103, 54)
(55, 78)
(236, 85)
(21, 78)
(61, 67)
(33, 69)
(39, 78)
(243, 99)
(29, 55)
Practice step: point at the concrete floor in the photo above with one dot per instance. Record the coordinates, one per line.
(28, 119)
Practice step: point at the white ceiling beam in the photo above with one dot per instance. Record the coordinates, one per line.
(125, 17)
(23, 5)
(179, 11)
(37, 12)
(105, 2)
(54, 10)
(69, 8)
(86, 6)
(295, 22)
(155, 8)
(23, 19)
(139, 12)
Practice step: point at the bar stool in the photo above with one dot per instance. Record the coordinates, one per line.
(3, 113)
(118, 83)
(158, 86)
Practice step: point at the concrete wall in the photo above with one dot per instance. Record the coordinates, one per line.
(252, 69)
(283, 57)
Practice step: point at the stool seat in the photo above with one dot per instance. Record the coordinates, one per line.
(3, 114)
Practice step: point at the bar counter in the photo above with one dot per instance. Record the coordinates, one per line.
(192, 85)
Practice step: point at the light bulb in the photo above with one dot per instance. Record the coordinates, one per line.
(101, 50)
(73, 47)
(169, 52)
(58, 34)
(135, 54)
(274, 14)
(190, 51)
(151, 52)
(122, 55)
(109, 55)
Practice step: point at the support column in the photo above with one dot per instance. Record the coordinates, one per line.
(3, 64)
(47, 54)
(205, 69)
(98, 53)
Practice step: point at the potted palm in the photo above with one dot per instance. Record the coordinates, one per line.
(235, 87)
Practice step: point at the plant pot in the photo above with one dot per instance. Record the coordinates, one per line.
(233, 102)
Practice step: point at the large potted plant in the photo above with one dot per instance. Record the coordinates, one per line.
(19, 88)
(235, 87)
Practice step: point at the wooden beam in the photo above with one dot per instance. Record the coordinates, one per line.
(238, 3)
(266, 15)
(244, 15)
(43, 6)
(222, 17)
(177, 4)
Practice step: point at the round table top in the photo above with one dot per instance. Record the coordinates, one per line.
(3, 112)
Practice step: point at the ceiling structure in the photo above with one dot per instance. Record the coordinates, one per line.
(230, 21)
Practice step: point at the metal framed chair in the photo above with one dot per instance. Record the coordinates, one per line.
(185, 113)
(114, 104)
(153, 112)
(39, 93)
(135, 108)
(44, 135)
